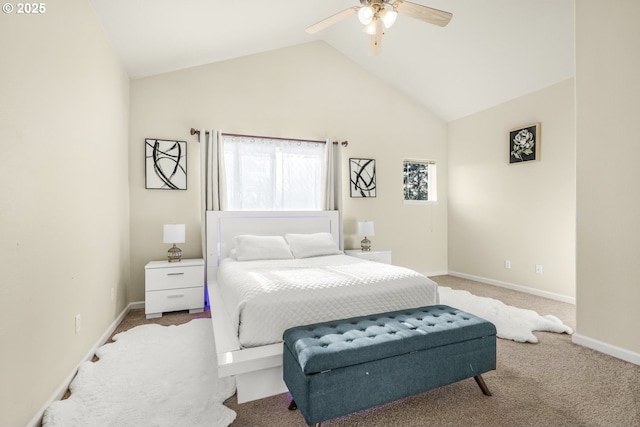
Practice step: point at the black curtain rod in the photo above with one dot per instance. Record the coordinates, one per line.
(197, 132)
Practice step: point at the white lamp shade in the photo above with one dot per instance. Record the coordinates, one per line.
(365, 14)
(372, 27)
(173, 233)
(365, 228)
(388, 17)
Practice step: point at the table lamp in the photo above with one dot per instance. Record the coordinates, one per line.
(174, 233)
(365, 228)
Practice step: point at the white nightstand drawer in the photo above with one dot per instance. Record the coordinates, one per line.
(173, 300)
(173, 286)
(173, 278)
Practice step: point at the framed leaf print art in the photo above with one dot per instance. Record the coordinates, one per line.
(524, 143)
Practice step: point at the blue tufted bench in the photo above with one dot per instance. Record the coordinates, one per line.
(340, 367)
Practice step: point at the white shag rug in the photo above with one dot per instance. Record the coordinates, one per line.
(151, 375)
(512, 323)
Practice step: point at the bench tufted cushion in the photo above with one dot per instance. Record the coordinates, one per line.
(329, 345)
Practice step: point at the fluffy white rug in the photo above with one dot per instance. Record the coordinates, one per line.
(150, 376)
(512, 323)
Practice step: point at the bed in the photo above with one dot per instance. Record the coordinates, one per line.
(254, 300)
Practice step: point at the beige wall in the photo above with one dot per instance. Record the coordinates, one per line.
(307, 91)
(608, 149)
(64, 212)
(524, 213)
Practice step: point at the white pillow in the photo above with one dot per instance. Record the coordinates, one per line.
(314, 244)
(250, 247)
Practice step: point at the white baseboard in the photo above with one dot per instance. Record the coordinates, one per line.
(532, 291)
(611, 350)
(36, 421)
(435, 273)
(134, 305)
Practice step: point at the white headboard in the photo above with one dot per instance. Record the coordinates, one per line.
(223, 226)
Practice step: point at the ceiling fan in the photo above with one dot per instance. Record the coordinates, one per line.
(378, 15)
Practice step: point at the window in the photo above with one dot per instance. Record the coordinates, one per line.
(419, 180)
(273, 174)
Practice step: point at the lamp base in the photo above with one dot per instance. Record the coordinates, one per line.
(174, 254)
(365, 244)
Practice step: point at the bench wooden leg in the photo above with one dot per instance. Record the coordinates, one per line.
(293, 406)
(482, 385)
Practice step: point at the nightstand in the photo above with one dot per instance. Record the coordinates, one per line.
(173, 286)
(374, 255)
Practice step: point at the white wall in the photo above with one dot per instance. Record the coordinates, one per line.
(306, 91)
(608, 200)
(525, 212)
(64, 213)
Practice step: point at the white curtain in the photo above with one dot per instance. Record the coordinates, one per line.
(332, 179)
(212, 181)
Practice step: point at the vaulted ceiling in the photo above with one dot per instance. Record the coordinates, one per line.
(492, 51)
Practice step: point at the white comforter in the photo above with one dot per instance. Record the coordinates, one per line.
(264, 298)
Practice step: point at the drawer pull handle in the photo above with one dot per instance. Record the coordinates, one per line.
(175, 296)
(175, 274)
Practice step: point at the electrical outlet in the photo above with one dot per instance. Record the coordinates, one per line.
(538, 269)
(78, 323)
(507, 264)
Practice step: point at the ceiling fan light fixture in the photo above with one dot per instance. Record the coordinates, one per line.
(378, 15)
(372, 28)
(388, 17)
(365, 15)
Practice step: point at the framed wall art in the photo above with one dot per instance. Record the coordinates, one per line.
(165, 164)
(524, 143)
(362, 177)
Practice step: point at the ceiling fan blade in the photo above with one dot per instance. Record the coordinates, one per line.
(333, 19)
(424, 13)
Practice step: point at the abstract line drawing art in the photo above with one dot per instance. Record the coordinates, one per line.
(362, 177)
(165, 164)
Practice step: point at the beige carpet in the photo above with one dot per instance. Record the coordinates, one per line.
(551, 383)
